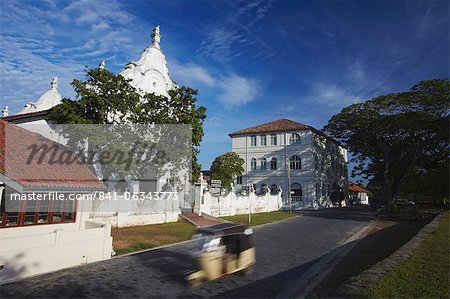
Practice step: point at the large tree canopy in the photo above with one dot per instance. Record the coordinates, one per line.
(226, 167)
(391, 135)
(107, 98)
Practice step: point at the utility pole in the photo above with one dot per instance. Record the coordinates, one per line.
(289, 186)
(249, 206)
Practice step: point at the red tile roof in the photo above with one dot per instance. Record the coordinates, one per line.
(355, 188)
(274, 126)
(38, 175)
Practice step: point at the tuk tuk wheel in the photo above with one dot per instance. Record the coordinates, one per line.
(193, 283)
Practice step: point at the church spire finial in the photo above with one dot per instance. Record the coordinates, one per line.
(156, 36)
(5, 111)
(54, 83)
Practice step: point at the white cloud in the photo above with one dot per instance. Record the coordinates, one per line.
(191, 74)
(38, 44)
(235, 34)
(333, 96)
(100, 26)
(237, 91)
(94, 11)
(231, 90)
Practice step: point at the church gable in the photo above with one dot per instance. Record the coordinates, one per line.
(150, 73)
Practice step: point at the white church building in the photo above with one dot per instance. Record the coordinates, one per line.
(149, 74)
(31, 241)
(294, 157)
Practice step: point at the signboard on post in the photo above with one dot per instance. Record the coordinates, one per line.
(216, 183)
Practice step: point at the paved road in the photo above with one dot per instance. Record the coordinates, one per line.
(285, 251)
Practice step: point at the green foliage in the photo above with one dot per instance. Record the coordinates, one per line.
(337, 197)
(392, 135)
(107, 98)
(102, 98)
(226, 167)
(430, 185)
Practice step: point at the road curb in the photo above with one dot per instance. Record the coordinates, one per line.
(374, 273)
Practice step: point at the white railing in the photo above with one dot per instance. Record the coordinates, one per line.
(296, 198)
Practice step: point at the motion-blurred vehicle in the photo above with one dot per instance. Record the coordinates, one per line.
(220, 250)
(400, 202)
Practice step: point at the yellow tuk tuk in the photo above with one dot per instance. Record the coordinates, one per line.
(222, 249)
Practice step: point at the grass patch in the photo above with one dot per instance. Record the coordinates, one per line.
(425, 274)
(131, 239)
(259, 218)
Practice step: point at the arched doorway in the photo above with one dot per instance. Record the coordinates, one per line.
(296, 192)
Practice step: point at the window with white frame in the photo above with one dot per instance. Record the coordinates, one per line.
(295, 162)
(273, 163)
(273, 139)
(263, 140)
(253, 164)
(263, 164)
(294, 139)
(253, 140)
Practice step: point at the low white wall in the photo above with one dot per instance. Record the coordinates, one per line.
(233, 204)
(26, 251)
(127, 219)
(125, 213)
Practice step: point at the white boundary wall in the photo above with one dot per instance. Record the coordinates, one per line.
(233, 204)
(26, 251)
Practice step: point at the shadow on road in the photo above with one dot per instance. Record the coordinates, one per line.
(161, 273)
(360, 213)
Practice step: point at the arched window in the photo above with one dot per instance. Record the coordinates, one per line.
(263, 164)
(273, 163)
(295, 139)
(253, 164)
(295, 162)
(296, 192)
(273, 189)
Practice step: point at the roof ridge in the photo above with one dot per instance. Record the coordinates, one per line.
(282, 124)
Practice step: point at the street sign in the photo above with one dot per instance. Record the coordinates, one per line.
(216, 183)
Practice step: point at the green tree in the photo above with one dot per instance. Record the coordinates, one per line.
(107, 98)
(226, 167)
(337, 195)
(392, 135)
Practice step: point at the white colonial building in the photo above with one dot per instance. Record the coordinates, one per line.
(294, 157)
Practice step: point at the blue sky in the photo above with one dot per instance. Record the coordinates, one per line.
(252, 61)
